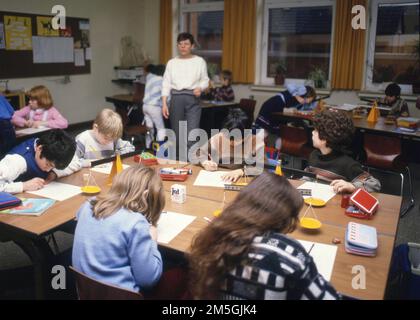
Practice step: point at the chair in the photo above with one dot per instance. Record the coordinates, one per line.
(294, 142)
(91, 289)
(384, 153)
(248, 106)
(133, 129)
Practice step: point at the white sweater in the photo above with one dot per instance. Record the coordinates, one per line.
(185, 74)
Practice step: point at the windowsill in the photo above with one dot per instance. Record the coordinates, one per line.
(374, 94)
(266, 88)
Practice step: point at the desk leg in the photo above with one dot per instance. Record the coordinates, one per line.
(41, 256)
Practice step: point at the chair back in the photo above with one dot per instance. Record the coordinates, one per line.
(382, 151)
(293, 141)
(91, 289)
(248, 106)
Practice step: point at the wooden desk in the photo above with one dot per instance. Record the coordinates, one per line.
(28, 232)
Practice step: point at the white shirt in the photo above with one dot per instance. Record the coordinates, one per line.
(185, 74)
(11, 167)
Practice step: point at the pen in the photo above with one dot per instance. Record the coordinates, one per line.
(313, 244)
(207, 219)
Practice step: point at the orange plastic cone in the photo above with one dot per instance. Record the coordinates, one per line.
(374, 113)
(116, 168)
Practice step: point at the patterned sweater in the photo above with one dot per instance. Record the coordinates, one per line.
(277, 268)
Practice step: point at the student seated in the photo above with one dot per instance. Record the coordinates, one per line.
(222, 150)
(223, 93)
(7, 132)
(398, 105)
(333, 132)
(27, 166)
(40, 111)
(294, 97)
(115, 238)
(245, 252)
(101, 142)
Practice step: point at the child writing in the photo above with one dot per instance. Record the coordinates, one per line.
(152, 104)
(40, 111)
(116, 234)
(222, 150)
(27, 166)
(399, 107)
(333, 131)
(225, 92)
(245, 252)
(294, 96)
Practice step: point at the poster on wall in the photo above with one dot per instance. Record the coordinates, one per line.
(44, 27)
(18, 33)
(52, 50)
(2, 40)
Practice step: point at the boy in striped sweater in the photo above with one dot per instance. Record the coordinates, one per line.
(152, 104)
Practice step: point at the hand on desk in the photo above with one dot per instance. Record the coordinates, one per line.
(29, 123)
(51, 177)
(341, 186)
(233, 176)
(33, 184)
(209, 165)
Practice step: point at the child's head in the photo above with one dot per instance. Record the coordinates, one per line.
(310, 94)
(226, 77)
(185, 43)
(392, 93)
(268, 203)
(40, 97)
(159, 70)
(149, 68)
(236, 119)
(332, 129)
(107, 126)
(138, 189)
(54, 149)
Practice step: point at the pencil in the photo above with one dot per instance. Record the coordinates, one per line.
(310, 249)
(207, 219)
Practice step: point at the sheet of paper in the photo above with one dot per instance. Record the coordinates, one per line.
(323, 255)
(88, 54)
(58, 191)
(84, 25)
(346, 107)
(319, 190)
(210, 179)
(170, 224)
(2, 39)
(106, 168)
(31, 130)
(52, 49)
(18, 32)
(79, 57)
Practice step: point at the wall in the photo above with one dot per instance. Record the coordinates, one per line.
(84, 96)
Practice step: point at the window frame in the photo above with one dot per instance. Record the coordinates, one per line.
(276, 4)
(370, 47)
(200, 7)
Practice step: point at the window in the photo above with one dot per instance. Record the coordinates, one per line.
(297, 38)
(394, 48)
(204, 20)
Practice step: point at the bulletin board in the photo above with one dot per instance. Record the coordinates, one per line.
(29, 47)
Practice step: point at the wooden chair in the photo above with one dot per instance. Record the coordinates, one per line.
(294, 142)
(91, 289)
(384, 153)
(248, 106)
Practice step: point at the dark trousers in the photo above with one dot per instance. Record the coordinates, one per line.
(184, 107)
(7, 136)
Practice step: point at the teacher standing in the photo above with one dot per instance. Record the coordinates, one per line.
(184, 79)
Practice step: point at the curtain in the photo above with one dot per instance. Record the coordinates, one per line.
(165, 34)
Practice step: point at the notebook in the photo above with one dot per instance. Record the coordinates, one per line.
(8, 200)
(31, 207)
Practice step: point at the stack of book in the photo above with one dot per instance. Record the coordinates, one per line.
(361, 239)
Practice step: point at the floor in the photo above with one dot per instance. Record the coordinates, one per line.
(16, 272)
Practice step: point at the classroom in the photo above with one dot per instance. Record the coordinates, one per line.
(209, 150)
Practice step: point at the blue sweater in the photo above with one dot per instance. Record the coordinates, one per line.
(117, 250)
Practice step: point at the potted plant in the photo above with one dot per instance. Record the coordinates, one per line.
(280, 73)
(319, 77)
(212, 69)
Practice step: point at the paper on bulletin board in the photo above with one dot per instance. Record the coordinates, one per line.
(52, 49)
(79, 57)
(84, 25)
(2, 40)
(88, 54)
(44, 27)
(18, 33)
